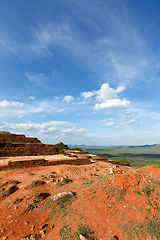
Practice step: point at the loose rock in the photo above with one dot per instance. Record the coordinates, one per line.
(60, 195)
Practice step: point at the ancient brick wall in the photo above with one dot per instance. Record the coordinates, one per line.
(13, 149)
(17, 138)
(43, 162)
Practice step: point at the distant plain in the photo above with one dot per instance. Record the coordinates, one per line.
(138, 156)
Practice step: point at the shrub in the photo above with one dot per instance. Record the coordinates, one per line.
(62, 145)
(78, 149)
(123, 160)
(5, 132)
(66, 180)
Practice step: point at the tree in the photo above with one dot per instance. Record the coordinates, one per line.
(62, 145)
(5, 132)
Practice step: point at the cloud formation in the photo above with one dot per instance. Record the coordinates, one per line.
(130, 121)
(105, 92)
(10, 104)
(68, 98)
(108, 96)
(109, 124)
(31, 97)
(112, 103)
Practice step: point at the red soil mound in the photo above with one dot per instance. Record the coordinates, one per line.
(124, 204)
(155, 171)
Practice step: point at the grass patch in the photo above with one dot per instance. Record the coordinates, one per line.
(147, 190)
(153, 227)
(138, 193)
(88, 183)
(123, 160)
(111, 192)
(65, 232)
(66, 180)
(139, 231)
(85, 230)
(59, 206)
(119, 198)
(63, 202)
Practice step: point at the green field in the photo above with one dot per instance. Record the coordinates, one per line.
(137, 156)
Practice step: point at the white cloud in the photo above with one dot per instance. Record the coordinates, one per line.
(11, 104)
(55, 97)
(42, 127)
(130, 121)
(44, 115)
(31, 97)
(88, 94)
(106, 92)
(112, 103)
(109, 97)
(20, 116)
(68, 98)
(52, 132)
(110, 119)
(109, 124)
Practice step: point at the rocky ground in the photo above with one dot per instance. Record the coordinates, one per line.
(101, 200)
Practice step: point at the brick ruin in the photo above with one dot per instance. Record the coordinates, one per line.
(20, 145)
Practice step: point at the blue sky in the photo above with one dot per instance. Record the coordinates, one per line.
(81, 72)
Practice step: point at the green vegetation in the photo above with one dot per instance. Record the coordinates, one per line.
(62, 145)
(147, 190)
(88, 183)
(137, 156)
(153, 227)
(84, 230)
(64, 202)
(137, 231)
(111, 192)
(138, 193)
(78, 149)
(5, 132)
(65, 232)
(121, 193)
(66, 180)
(123, 160)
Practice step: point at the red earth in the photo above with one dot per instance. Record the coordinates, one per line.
(109, 202)
(99, 198)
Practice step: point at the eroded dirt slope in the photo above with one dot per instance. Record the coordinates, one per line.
(108, 201)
